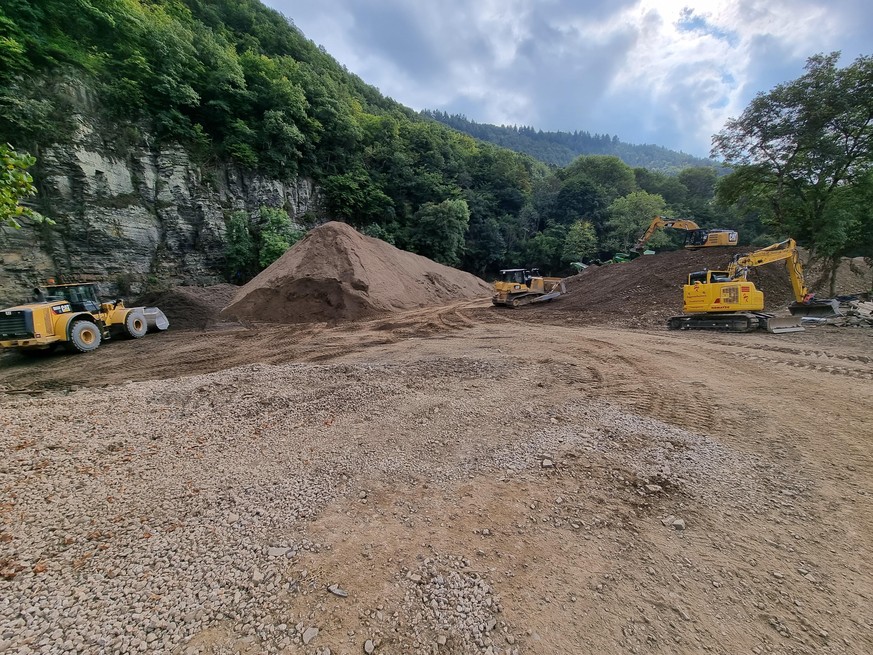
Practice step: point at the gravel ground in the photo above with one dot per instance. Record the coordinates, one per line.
(211, 514)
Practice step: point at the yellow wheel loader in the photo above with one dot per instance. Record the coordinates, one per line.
(520, 286)
(727, 300)
(72, 315)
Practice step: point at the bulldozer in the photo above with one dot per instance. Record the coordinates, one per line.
(727, 300)
(695, 236)
(521, 286)
(73, 316)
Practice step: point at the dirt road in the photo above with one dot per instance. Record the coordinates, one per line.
(473, 480)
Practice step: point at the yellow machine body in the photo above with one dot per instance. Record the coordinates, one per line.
(695, 236)
(520, 286)
(714, 291)
(71, 314)
(727, 300)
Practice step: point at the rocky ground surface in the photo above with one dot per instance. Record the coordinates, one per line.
(454, 480)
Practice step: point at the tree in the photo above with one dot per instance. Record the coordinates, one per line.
(277, 235)
(581, 242)
(438, 230)
(15, 185)
(239, 252)
(796, 148)
(628, 218)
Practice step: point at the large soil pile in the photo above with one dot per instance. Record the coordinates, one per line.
(191, 308)
(648, 290)
(336, 274)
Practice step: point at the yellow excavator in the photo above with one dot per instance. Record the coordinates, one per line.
(695, 236)
(520, 286)
(727, 300)
(73, 316)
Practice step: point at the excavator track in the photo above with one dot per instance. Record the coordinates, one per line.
(735, 322)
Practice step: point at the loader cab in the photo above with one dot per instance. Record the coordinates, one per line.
(82, 297)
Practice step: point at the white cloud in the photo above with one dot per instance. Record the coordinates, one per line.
(662, 71)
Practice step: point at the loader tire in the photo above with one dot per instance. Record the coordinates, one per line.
(84, 337)
(135, 325)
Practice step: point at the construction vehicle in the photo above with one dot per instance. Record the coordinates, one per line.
(72, 315)
(520, 286)
(695, 236)
(727, 300)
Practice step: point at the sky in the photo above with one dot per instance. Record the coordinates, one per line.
(666, 72)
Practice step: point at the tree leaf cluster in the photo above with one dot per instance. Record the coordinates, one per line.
(802, 158)
(234, 80)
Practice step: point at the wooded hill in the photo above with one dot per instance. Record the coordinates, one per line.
(232, 80)
(561, 148)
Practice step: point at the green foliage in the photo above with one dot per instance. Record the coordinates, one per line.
(630, 216)
(801, 149)
(235, 81)
(545, 249)
(16, 184)
(240, 253)
(277, 235)
(379, 232)
(581, 242)
(438, 230)
(561, 148)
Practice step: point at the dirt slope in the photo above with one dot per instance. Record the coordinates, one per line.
(648, 290)
(336, 273)
(191, 307)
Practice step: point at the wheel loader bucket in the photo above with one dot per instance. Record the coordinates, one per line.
(816, 308)
(156, 319)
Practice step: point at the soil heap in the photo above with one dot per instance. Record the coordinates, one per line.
(335, 273)
(645, 292)
(190, 308)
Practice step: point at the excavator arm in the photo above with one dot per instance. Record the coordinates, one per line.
(784, 250)
(663, 221)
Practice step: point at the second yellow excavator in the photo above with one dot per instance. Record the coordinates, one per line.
(695, 236)
(727, 300)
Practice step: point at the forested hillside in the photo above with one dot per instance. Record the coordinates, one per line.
(561, 148)
(233, 81)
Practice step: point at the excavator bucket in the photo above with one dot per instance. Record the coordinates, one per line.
(816, 308)
(156, 319)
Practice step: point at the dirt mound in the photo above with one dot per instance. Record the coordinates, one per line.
(853, 275)
(648, 290)
(191, 308)
(335, 273)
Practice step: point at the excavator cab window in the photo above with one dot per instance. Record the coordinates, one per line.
(699, 276)
(696, 237)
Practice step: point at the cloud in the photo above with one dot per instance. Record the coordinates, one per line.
(658, 71)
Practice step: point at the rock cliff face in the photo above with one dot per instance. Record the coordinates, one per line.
(132, 220)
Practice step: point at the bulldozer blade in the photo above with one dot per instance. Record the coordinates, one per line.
(780, 324)
(816, 308)
(156, 319)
